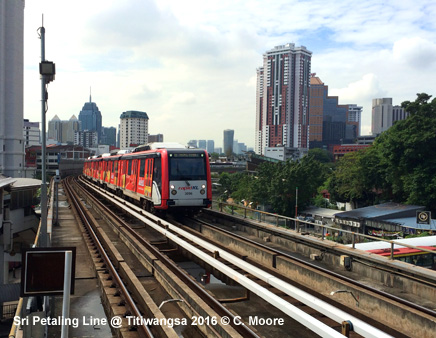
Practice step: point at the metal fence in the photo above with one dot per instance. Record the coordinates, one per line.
(299, 225)
(9, 310)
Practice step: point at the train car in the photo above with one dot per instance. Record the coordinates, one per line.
(403, 253)
(415, 241)
(413, 256)
(157, 176)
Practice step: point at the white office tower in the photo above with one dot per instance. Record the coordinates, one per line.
(133, 129)
(11, 87)
(384, 115)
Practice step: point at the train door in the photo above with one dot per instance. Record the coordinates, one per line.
(121, 174)
(148, 177)
(141, 177)
(111, 178)
(102, 172)
(108, 171)
(130, 177)
(156, 178)
(134, 174)
(97, 170)
(115, 172)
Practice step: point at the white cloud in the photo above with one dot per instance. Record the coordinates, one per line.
(191, 64)
(367, 87)
(415, 52)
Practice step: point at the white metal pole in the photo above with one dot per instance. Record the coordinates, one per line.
(67, 289)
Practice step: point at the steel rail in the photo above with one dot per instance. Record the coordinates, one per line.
(313, 324)
(324, 270)
(107, 260)
(325, 308)
(244, 330)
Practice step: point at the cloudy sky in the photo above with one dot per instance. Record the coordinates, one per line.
(191, 64)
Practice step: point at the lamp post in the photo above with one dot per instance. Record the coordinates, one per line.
(297, 224)
(296, 202)
(47, 72)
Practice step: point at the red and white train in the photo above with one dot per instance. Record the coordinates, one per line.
(403, 253)
(157, 176)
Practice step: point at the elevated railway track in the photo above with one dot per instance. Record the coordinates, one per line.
(327, 316)
(331, 306)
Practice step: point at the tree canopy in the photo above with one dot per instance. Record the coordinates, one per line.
(275, 184)
(400, 165)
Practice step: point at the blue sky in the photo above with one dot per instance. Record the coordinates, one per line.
(191, 65)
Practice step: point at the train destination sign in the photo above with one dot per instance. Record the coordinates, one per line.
(44, 270)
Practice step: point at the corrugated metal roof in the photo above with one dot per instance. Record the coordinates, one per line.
(5, 181)
(380, 210)
(26, 182)
(9, 292)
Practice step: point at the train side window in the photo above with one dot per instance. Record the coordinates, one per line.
(129, 169)
(142, 168)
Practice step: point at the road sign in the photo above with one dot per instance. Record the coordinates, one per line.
(423, 217)
(43, 271)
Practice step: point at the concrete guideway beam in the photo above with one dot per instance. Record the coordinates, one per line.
(313, 324)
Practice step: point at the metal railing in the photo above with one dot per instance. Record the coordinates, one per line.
(9, 310)
(300, 225)
(20, 312)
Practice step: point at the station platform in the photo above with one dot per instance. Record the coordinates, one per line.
(85, 304)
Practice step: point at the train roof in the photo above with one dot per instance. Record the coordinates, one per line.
(416, 241)
(159, 145)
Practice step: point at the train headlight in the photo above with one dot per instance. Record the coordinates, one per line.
(173, 192)
(203, 186)
(172, 186)
(202, 191)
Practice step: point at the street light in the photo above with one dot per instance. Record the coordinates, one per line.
(47, 71)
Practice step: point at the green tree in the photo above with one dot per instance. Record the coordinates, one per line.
(276, 183)
(321, 155)
(407, 154)
(399, 166)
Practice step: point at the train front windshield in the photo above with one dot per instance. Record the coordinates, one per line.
(187, 167)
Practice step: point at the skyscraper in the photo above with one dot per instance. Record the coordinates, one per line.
(331, 123)
(210, 147)
(108, 136)
(228, 142)
(11, 87)
(133, 129)
(282, 98)
(90, 117)
(63, 131)
(384, 115)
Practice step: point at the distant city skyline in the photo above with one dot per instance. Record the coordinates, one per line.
(196, 72)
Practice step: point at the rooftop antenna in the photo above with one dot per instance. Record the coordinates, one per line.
(90, 94)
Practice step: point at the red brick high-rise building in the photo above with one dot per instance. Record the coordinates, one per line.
(282, 99)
